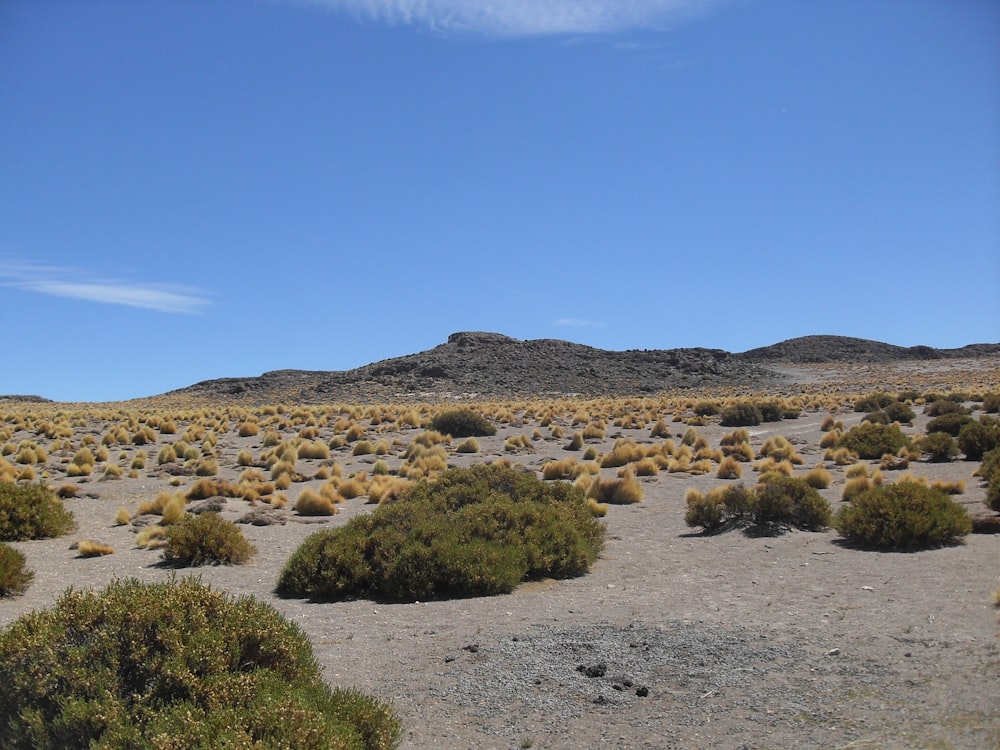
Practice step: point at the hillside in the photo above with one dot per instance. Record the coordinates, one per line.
(492, 365)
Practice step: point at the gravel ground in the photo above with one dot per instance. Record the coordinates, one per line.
(673, 640)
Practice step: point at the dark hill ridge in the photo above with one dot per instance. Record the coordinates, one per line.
(491, 365)
(811, 349)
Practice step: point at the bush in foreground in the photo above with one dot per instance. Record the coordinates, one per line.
(902, 516)
(472, 532)
(206, 539)
(31, 511)
(462, 423)
(174, 665)
(14, 576)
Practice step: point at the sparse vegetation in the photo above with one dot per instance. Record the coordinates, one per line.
(872, 441)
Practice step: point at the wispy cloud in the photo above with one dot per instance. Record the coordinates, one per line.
(578, 323)
(71, 283)
(524, 17)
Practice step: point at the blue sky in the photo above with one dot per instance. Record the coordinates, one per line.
(191, 190)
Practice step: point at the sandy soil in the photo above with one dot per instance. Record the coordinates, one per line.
(741, 642)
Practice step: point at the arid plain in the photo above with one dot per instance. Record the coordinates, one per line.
(727, 640)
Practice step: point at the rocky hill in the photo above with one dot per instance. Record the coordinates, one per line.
(812, 349)
(491, 365)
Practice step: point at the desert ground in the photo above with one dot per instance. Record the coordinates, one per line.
(674, 639)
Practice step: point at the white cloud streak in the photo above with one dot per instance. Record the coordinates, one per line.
(512, 18)
(66, 282)
(578, 323)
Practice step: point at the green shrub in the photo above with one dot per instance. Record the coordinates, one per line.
(789, 501)
(742, 414)
(991, 403)
(873, 402)
(706, 408)
(770, 412)
(14, 576)
(31, 511)
(902, 516)
(978, 438)
(204, 539)
(871, 441)
(471, 532)
(949, 423)
(939, 446)
(461, 423)
(894, 412)
(174, 665)
(942, 406)
(777, 502)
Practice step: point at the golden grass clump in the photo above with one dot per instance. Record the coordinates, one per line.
(625, 451)
(622, 491)
(729, 468)
(646, 467)
(67, 490)
(386, 489)
(780, 448)
(112, 471)
(857, 470)
(469, 445)
(313, 449)
(167, 455)
(769, 465)
(593, 431)
(598, 510)
(122, 517)
(855, 486)
(516, 442)
(173, 511)
(313, 503)
(575, 442)
(559, 469)
(151, 537)
(831, 438)
(363, 448)
(91, 548)
(818, 478)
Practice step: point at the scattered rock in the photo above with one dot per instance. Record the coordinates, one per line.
(597, 669)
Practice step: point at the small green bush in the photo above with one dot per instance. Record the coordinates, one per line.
(461, 423)
(472, 532)
(939, 447)
(14, 576)
(894, 412)
(991, 403)
(743, 414)
(204, 539)
(777, 502)
(949, 423)
(31, 511)
(174, 665)
(941, 406)
(978, 438)
(871, 441)
(874, 402)
(706, 409)
(902, 516)
(770, 412)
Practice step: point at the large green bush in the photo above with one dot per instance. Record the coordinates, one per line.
(205, 539)
(14, 576)
(902, 516)
(461, 423)
(939, 446)
(31, 511)
(472, 532)
(990, 473)
(896, 411)
(744, 414)
(951, 423)
(777, 502)
(173, 666)
(977, 439)
(871, 441)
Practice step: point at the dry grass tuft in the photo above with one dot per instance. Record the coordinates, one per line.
(91, 548)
